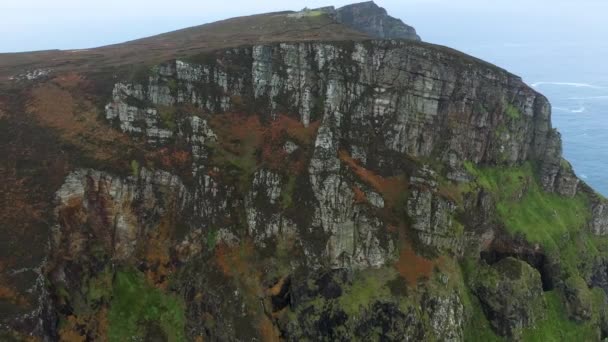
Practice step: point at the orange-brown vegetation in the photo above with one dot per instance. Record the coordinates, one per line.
(9, 294)
(391, 188)
(172, 159)
(69, 80)
(268, 331)
(276, 289)
(72, 215)
(285, 128)
(70, 331)
(245, 135)
(360, 197)
(157, 254)
(238, 133)
(95, 324)
(236, 261)
(413, 267)
(76, 120)
(241, 264)
(15, 200)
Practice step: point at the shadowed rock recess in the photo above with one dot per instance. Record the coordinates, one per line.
(324, 189)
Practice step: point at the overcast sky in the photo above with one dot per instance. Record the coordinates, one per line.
(69, 24)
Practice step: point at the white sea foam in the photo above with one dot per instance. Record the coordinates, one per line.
(584, 176)
(568, 110)
(588, 98)
(567, 84)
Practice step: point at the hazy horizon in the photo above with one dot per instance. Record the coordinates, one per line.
(31, 25)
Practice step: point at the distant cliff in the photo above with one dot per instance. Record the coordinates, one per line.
(371, 19)
(375, 21)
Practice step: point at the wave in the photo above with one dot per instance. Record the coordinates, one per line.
(588, 98)
(568, 84)
(568, 110)
(579, 110)
(583, 176)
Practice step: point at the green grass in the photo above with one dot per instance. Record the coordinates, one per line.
(211, 239)
(99, 287)
(135, 305)
(478, 327)
(173, 86)
(311, 13)
(513, 112)
(134, 168)
(368, 286)
(526, 209)
(557, 327)
(167, 117)
(287, 192)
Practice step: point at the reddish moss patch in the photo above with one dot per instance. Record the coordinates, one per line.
(268, 331)
(157, 255)
(10, 294)
(76, 120)
(413, 267)
(237, 132)
(70, 80)
(282, 129)
(391, 188)
(84, 328)
(360, 197)
(243, 265)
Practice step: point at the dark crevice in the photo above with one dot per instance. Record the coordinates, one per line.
(282, 299)
(537, 260)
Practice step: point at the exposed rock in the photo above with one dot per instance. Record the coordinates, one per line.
(556, 173)
(290, 147)
(511, 296)
(446, 315)
(133, 119)
(578, 298)
(31, 75)
(599, 218)
(394, 324)
(432, 215)
(198, 135)
(375, 21)
(264, 217)
(108, 209)
(408, 89)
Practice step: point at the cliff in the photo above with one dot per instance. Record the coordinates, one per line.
(358, 188)
(375, 21)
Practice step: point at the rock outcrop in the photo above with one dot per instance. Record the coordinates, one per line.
(375, 21)
(511, 296)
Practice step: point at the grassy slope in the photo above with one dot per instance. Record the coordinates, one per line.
(557, 327)
(136, 305)
(526, 209)
(557, 224)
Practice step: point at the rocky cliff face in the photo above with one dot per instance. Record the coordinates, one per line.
(369, 18)
(373, 190)
(375, 21)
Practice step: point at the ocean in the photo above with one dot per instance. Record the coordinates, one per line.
(574, 77)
